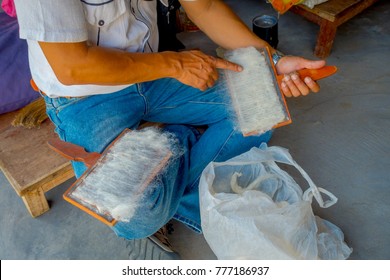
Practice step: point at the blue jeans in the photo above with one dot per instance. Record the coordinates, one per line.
(94, 121)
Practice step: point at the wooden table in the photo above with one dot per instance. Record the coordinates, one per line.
(28, 163)
(329, 16)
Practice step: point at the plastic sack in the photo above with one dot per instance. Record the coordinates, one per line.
(252, 209)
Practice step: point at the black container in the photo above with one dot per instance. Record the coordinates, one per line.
(266, 27)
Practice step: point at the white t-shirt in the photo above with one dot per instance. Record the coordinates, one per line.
(122, 24)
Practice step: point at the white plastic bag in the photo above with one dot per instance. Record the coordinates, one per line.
(252, 209)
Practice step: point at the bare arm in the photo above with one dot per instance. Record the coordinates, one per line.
(78, 63)
(220, 23)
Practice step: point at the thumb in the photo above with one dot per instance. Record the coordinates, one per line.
(312, 64)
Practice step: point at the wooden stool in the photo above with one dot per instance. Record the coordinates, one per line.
(329, 16)
(28, 163)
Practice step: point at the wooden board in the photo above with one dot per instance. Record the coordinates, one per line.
(329, 16)
(331, 9)
(6, 119)
(26, 160)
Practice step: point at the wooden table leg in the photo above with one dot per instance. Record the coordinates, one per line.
(325, 38)
(36, 202)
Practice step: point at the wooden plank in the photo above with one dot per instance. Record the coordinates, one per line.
(331, 9)
(6, 120)
(353, 11)
(307, 14)
(57, 178)
(329, 16)
(26, 159)
(325, 39)
(34, 197)
(52, 180)
(35, 202)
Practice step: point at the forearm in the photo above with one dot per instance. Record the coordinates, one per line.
(225, 28)
(221, 24)
(77, 64)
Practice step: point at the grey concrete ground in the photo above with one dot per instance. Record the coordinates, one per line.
(340, 136)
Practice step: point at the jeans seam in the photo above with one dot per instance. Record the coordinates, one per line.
(188, 222)
(60, 132)
(216, 155)
(146, 101)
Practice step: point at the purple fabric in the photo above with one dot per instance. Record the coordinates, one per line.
(15, 89)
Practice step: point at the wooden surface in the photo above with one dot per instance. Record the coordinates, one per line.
(329, 16)
(331, 9)
(30, 166)
(5, 120)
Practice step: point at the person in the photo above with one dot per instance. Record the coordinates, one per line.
(97, 66)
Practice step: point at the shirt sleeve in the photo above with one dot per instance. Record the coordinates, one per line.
(51, 20)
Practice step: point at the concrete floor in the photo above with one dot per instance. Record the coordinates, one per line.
(340, 136)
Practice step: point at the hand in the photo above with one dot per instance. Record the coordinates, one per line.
(196, 69)
(292, 84)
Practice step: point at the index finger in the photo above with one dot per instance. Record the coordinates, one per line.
(225, 64)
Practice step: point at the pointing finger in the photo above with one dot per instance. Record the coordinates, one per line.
(225, 64)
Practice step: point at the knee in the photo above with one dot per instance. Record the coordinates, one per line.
(147, 220)
(154, 210)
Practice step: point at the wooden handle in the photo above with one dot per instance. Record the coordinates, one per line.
(73, 152)
(315, 74)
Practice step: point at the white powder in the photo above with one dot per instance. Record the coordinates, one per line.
(117, 182)
(255, 99)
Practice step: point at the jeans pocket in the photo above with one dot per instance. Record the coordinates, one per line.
(54, 106)
(60, 103)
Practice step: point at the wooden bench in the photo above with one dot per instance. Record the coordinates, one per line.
(28, 163)
(329, 16)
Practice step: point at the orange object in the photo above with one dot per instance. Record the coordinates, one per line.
(283, 6)
(73, 152)
(34, 85)
(315, 74)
